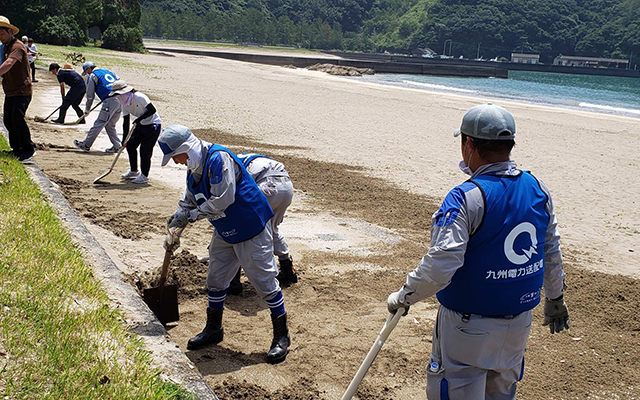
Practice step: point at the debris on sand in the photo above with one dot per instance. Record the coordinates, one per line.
(341, 70)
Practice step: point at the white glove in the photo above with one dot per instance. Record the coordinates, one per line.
(171, 242)
(394, 303)
(268, 188)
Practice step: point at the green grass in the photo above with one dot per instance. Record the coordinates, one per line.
(60, 337)
(102, 57)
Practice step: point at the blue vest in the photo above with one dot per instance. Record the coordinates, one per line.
(105, 80)
(246, 158)
(503, 267)
(247, 215)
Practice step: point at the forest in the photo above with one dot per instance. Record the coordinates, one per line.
(468, 28)
(114, 24)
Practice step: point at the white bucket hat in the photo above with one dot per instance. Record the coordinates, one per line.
(120, 87)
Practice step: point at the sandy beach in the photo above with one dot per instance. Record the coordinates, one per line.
(588, 160)
(359, 150)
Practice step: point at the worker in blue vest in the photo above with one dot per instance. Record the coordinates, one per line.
(221, 190)
(494, 245)
(99, 81)
(274, 182)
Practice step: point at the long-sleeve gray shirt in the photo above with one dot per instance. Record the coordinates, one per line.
(449, 244)
(222, 193)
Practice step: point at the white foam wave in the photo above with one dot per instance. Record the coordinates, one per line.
(610, 108)
(439, 87)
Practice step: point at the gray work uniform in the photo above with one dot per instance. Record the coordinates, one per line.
(480, 357)
(110, 113)
(263, 169)
(255, 255)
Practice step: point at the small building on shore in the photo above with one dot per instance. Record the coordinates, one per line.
(591, 62)
(523, 58)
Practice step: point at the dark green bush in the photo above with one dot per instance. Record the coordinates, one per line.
(117, 37)
(61, 30)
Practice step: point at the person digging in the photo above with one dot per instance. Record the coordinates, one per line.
(273, 180)
(220, 189)
(72, 98)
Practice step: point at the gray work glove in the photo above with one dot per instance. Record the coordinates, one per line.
(171, 242)
(178, 220)
(393, 303)
(556, 314)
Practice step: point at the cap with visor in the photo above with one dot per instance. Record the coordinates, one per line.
(170, 140)
(86, 66)
(488, 122)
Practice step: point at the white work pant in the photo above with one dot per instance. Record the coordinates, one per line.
(110, 112)
(279, 203)
(478, 358)
(256, 257)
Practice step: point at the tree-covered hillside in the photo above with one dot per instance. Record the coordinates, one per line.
(66, 22)
(485, 28)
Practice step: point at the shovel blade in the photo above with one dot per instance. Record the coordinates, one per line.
(163, 302)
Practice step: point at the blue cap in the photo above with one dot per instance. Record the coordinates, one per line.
(171, 138)
(87, 65)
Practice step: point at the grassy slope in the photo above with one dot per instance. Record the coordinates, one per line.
(60, 338)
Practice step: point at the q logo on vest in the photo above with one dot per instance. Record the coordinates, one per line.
(509, 251)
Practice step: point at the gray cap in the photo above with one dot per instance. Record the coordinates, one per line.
(87, 65)
(170, 139)
(488, 122)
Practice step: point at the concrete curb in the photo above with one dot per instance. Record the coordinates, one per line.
(166, 354)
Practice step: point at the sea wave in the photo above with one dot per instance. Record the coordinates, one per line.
(610, 108)
(438, 87)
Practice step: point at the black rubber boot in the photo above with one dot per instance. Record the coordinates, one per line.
(287, 273)
(281, 341)
(235, 287)
(212, 332)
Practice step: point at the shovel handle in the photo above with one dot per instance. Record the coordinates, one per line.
(54, 111)
(167, 259)
(391, 323)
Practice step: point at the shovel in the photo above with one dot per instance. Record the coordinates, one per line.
(40, 119)
(124, 144)
(76, 122)
(391, 323)
(163, 299)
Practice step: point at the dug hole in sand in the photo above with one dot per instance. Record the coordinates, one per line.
(354, 232)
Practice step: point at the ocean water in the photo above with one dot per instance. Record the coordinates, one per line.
(605, 94)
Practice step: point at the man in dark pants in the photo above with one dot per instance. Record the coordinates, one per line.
(76, 92)
(16, 84)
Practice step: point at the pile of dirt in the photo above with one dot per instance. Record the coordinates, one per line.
(304, 389)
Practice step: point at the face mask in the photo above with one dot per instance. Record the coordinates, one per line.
(464, 168)
(191, 164)
(126, 98)
(463, 165)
